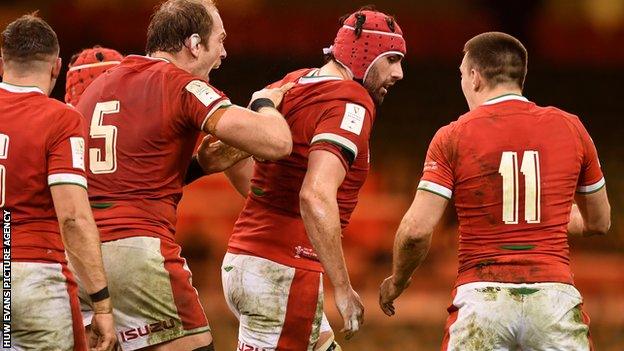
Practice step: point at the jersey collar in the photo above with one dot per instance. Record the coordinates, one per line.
(506, 97)
(19, 89)
(151, 58)
(314, 77)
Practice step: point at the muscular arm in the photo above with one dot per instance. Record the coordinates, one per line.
(264, 134)
(411, 244)
(591, 215)
(81, 239)
(321, 217)
(413, 237)
(319, 210)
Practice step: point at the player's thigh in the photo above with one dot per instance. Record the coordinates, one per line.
(277, 306)
(555, 320)
(481, 318)
(45, 312)
(152, 293)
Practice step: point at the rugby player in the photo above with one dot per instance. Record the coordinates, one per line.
(44, 187)
(515, 169)
(84, 67)
(144, 117)
(289, 231)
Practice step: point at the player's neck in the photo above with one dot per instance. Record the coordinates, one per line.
(490, 94)
(165, 56)
(40, 81)
(180, 60)
(333, 68)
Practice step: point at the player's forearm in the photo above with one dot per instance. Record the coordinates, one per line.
(322, 223)
(575, 226)
(240, 175)
(578, 226)
(410, 250)
(82, 244)
(221, 159)
(264, 134)
(274, 132)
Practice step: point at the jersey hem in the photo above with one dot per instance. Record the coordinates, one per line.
(307, 266)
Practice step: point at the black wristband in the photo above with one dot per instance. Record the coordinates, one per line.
(194, 171)
(100, 295)
(259, 103)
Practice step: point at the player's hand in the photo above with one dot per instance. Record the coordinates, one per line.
(276, 94)
(216, 156)
(388, 292)
(103, 336)
(351, 309)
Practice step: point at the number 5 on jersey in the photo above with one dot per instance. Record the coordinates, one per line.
(4, 154)
(103, 163)
(530, 168)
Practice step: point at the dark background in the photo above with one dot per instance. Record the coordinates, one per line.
(576, 62)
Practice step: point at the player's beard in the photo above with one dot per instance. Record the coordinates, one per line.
(375, 86)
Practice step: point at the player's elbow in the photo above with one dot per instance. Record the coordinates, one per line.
(311, 201)
(419, 235)
(416, 232)
(599, 227)
(307, 200)
(281, 146)
(72, 223)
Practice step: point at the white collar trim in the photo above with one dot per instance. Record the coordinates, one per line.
(152, 58)
(506, 97)
(311, 77)
(19, 89)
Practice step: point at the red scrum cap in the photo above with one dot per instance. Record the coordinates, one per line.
(365, 37)
(85, 67)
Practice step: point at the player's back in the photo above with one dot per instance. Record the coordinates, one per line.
(142, 133)
(41, 144)
(323, 113)
(516, 167)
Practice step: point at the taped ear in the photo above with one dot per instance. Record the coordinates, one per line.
(195, 40)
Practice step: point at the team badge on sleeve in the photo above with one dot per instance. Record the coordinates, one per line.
(78, 151)
(203, 92)
(353, 118)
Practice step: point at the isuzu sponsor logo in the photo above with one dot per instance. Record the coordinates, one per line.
(140, 332)
(246, 347)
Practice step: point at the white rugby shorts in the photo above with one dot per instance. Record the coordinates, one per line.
(153, 297)
(45, 312)
(528, 317)
(278, 307)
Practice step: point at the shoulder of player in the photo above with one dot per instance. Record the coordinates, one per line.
(184, 81)
(62, 113)
(353, 92)
(58, 107)
(570, 119)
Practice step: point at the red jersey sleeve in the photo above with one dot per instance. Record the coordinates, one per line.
(66, 150)
(199, 101)
(344, 130)
(591, 178)
(438, 169)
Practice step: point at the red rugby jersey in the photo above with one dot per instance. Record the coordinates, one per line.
(42, 144)
(513, 168)
(144, 117)
(324, 113)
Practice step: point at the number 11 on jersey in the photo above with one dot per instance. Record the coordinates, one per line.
(530, 169)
